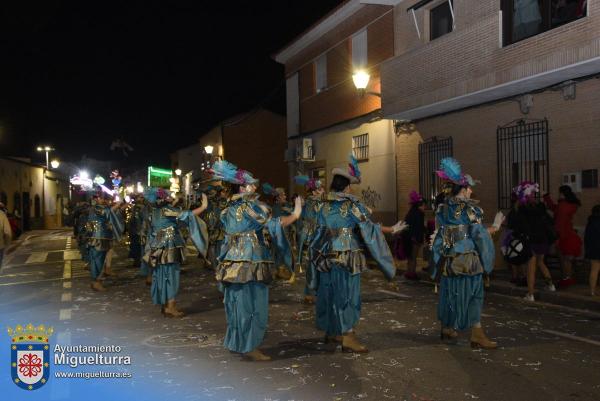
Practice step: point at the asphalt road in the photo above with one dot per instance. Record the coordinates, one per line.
(546, 352)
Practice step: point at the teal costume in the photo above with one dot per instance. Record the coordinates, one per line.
(462, 251)
(134, 228)
(166, 248)
(212, 217)
(244, 269)
(81, 216)
(307, 227)
(145, 238)
(102, 227)
(344, 231)
(280, 210)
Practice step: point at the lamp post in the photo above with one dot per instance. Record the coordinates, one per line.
(361, 81)
(47, 150)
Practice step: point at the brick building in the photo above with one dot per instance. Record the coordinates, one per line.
(254, 141)
(327, 119)
(511, 91)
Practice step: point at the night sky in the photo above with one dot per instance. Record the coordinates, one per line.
(79, 74)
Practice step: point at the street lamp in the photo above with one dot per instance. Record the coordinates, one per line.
(209, 149)
(46, 149)
(55, 163)
(178, 172)
(361, 81)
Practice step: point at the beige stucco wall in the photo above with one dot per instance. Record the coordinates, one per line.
(333, 146)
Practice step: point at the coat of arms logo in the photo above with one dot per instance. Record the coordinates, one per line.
(30, 355)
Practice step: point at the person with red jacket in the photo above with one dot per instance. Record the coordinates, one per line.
(569, 243)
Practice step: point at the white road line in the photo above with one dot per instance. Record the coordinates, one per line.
(572, 337)
(67, 270)
(37, 257)
(65, 314)
(66, 297)
(32, 281)
(67, 284)
(397, 294)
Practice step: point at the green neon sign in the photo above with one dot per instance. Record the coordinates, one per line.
(159, 177)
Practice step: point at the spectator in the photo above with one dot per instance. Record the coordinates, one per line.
(412, 239)
(517, 276)
(531, 222)
(592, 246)
(5, 233)
(569, 243)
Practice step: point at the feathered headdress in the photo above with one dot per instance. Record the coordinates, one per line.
(415, 197)
(525, 191)
(226, 171)
(450, 170)
(311, 184)
(353, 173)
(153, 195)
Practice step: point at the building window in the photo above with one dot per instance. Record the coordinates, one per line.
(431, 153)
(321, 73)
(359, 50)
(440, 20)
(522, 156)
(525, 18)
(4, 198)
(360, 146)
(318, 174)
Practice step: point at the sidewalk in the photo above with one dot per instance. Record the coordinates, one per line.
(576, 296)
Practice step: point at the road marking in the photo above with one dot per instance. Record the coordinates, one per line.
(32, 281)
(72, 254)
(65, 314)
(397, 294)
(67, 270)
(36, 257)
(66, 297)
(572, 337)
(67, 284)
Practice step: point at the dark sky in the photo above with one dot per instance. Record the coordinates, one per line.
(78, 74)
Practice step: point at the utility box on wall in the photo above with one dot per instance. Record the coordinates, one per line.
(573, 180)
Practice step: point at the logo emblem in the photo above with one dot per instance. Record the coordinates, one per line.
(30, 355)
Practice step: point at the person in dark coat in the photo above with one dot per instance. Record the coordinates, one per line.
(413, 238)
(531, 222)
(592, 246)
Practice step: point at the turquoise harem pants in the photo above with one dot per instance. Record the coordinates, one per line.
(247, 312)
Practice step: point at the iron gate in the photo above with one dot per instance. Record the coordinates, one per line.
(431, 153)
(522, 156)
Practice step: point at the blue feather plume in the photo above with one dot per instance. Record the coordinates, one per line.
(301, 179)
(226, 171)
(151, 194)
(354, 166)
(451, 167)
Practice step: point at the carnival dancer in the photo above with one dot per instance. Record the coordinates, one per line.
(166, 247)
(245, 261)
(307, 225)
(217, 201)
(102, 227)
(134, 228)
(146, 236)
(344, 230)
(280, 208)
(462, 251)
(81, 215)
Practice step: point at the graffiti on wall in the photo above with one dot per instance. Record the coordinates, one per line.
(370, 197)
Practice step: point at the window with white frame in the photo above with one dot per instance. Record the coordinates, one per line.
(359, 50)
(321, 73)
(360, 146)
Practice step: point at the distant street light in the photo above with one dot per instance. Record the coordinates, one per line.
(209, 149)
(178, 172)
(55, 163)
(84, 174)
(47, 149)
